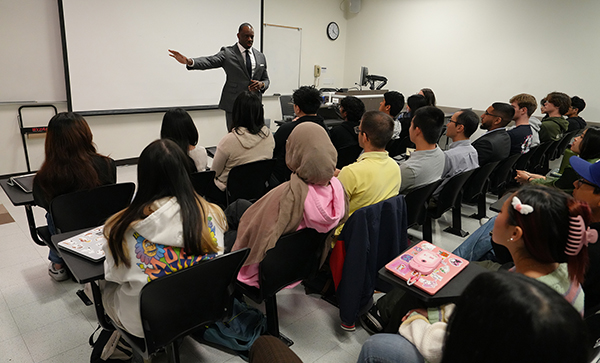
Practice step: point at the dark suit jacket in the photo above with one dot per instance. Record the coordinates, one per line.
(232, 61)
(492, 146)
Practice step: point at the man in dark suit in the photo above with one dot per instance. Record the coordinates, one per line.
(245, 67)
(495, 144)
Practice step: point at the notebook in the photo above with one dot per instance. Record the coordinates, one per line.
(25, 182)
(449, 266)
(211, 151)
(88, 244)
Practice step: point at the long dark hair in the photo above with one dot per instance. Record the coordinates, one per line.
(546, 229)
(590, 145)
(178, 126)
(509, 317)
(69, 150)
(163, 172)
(248, 112)
(429, 96)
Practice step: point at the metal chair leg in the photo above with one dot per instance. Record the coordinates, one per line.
(273, 321)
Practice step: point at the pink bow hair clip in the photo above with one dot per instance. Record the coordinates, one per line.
(524, 209)
(579, 236)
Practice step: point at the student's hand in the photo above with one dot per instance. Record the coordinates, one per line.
(418, 311)
(180, 57)
(522, 177)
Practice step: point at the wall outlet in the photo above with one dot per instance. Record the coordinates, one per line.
(317, 71)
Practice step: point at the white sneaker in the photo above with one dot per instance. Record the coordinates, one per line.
(58, 275)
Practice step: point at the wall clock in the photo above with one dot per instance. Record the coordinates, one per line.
(333, 30)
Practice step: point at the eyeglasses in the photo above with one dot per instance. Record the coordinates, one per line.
(491, 114)
(583, 181)
(455, 122)
(358, 130)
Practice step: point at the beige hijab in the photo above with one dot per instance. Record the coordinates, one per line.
(311, 157)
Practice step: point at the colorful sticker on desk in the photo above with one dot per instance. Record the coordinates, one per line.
(449, 266)
(88, 244)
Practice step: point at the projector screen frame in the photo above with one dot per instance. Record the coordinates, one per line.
(125, 111)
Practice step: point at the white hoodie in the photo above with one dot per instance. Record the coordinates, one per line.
(155, 248)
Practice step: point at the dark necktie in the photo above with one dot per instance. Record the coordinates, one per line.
(248, 63)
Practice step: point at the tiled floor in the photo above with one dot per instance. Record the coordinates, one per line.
(44, 321)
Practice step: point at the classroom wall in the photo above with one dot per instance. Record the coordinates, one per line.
(29, 29)
(470, 52)
(473, 53)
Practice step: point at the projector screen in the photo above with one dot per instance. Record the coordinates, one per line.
(116, 52)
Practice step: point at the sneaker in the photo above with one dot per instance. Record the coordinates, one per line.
(58, 275)
(347, 327)
(371, 321)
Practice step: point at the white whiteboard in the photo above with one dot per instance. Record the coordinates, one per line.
(282, 49)
(117, 50)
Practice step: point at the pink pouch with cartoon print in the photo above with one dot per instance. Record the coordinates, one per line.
(426, 266)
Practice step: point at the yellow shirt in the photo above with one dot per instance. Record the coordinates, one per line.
(374, 177)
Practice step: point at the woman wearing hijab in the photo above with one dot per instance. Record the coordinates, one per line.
(312, 198)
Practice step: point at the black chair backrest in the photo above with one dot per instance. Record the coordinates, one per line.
(202, 181)
(174, 305)
(500, 175)
(537, 158)
(89, 208)
(294, 258)
(416, 203)
(287, 107)
(564, 142)
(249, 181)
(347, 155)
(449, 193)
(474, 186)
(523, 161)
(552, 149)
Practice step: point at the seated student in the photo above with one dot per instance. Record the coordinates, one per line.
(249, 140)
(71, 164)
(546, 233)
(495, 144)
(307, 100)
(178, 126)
(392, 104)
(522, 134)
(575, 121)
(312, 198)
(351, 110)
(413, 103)
(426, 164)
(429, 96)
(375, 176)
(554, 125)
(586, 145)
(166, 227)
(461, 156)
(500, 317)
(587, 189)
